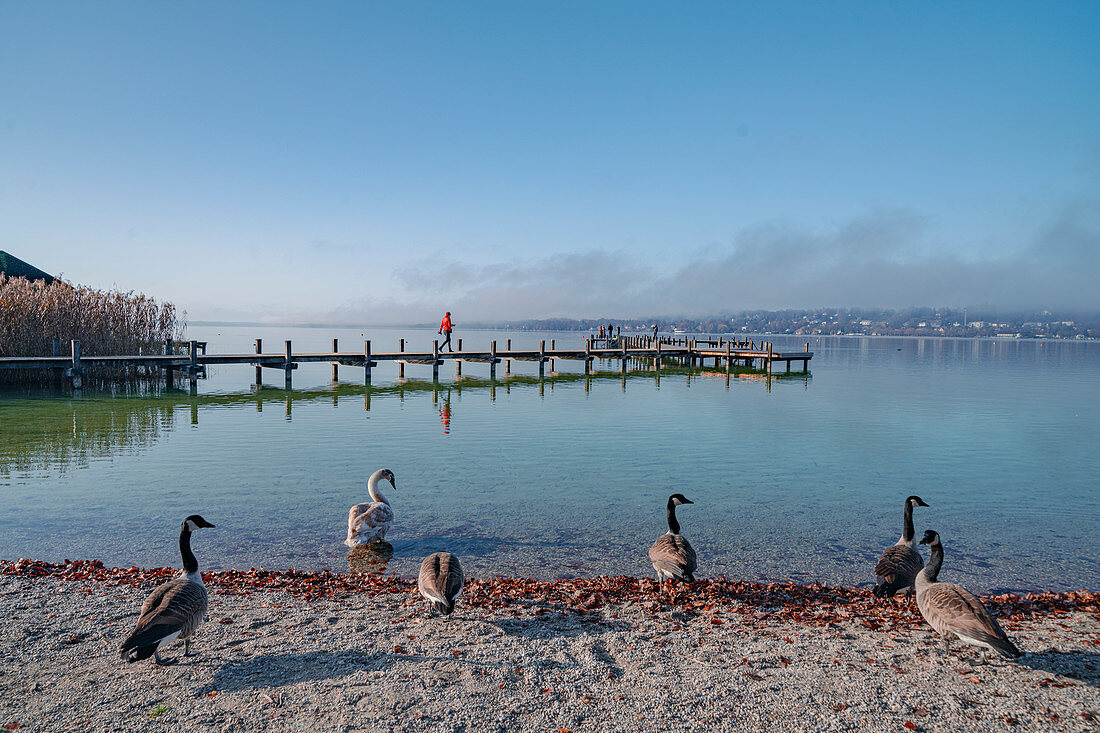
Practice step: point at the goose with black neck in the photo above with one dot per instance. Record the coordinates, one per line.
(174, 609)
(955, 612)
(899, 564)
(672, 556)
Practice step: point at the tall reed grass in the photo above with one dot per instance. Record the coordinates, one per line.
(33, 314)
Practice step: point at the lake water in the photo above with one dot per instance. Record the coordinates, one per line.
(795, 478)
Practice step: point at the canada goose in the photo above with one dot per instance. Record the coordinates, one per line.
(900, 563)
(174, 610)
(440, 582)
(369, 522)
(954, 611)
(673, 556)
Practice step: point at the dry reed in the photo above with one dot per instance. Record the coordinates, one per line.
(33, 314)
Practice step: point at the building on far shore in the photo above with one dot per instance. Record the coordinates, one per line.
(14, 267)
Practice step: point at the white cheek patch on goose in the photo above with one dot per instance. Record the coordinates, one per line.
(191, 525)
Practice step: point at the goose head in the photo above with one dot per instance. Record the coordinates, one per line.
(194, 522)
(915, 501)
(930, 538)
(678, 499)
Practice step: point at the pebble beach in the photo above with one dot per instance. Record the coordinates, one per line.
(319, 651)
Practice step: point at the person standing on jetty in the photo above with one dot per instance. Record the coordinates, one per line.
(445, 329)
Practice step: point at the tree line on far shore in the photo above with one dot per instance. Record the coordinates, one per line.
(956, 322)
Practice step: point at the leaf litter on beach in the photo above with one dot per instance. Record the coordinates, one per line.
(816, 604)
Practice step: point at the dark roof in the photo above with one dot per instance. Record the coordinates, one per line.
(15, 267)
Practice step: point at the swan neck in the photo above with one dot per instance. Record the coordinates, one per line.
(372, 488)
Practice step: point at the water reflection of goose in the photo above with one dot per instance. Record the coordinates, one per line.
(370, 559)
(369, 521)
(954, 611)
(174, 610)
(440, 582)
(672, 555)
(900, 563)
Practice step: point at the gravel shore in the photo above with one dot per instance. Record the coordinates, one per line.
(590, 655)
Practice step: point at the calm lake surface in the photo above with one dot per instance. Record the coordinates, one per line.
(796, 478)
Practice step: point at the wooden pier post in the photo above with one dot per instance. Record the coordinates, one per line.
(400, 365)
(368, 365)
(806, 362)
(542, 358)
(335, 366)
(193, 368)
(657, 361)
(435, 360)
(587, 358)
(168, 366)
(287, 366)
(552, 342)
(508, 362)
(458, 362)
(622, 344)
(259, 369)
(728, 358)
(76, 371)
(493, 361)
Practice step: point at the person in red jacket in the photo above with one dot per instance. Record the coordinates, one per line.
(445, 329)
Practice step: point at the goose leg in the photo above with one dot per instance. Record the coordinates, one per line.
(947, 645)
(187, 647)
(163, 662)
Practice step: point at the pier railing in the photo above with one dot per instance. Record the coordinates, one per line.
(625, 349)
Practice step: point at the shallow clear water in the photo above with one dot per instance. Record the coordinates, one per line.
(799, 478)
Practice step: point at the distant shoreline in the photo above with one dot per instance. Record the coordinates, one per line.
(739, 334)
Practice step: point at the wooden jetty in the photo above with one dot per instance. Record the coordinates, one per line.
(648, 351)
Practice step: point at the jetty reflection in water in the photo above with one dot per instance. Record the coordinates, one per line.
(46, 430)
(370, 559)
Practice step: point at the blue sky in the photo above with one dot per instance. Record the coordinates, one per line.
(370, 162)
